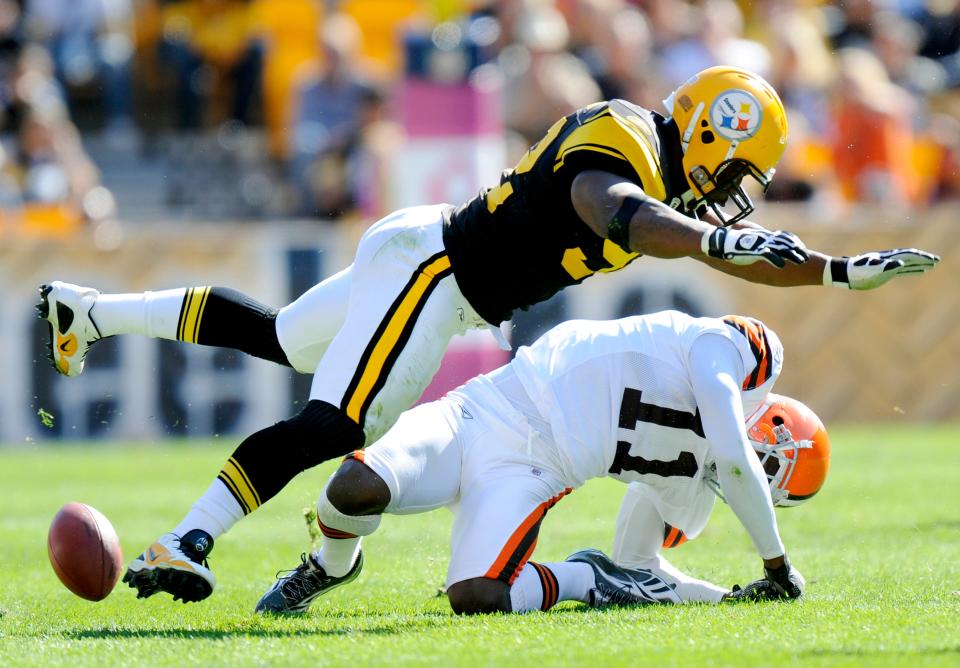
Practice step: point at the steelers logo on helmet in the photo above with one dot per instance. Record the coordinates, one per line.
(735, 115)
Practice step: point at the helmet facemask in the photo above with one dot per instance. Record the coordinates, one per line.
(724, 187)
(780, 451)
(778, 460)
(779, 454)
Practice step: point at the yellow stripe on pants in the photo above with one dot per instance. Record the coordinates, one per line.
(391, 335)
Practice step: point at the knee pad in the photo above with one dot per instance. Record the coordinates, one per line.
(358, 525)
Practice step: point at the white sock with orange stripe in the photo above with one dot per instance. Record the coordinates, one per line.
(341, 537)
(154, 314)
(542, 586)
(215, 512)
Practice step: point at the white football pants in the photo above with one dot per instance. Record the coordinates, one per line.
(375, 333)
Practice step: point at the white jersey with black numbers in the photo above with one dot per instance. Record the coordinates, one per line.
(619, 401)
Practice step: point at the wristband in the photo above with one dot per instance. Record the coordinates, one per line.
(835, 272)
(711, 243)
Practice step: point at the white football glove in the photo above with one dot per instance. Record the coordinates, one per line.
(750, 245)
(871, 270)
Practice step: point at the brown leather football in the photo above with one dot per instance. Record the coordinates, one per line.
(84, 551)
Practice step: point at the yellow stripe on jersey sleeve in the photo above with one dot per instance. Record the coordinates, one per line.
(614, 136)
(497, 195)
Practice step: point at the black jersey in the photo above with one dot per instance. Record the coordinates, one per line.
(521, 242)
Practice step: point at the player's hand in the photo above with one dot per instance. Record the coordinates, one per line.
(751, 245)
(758, 590)
(871, 270)
(786, 580)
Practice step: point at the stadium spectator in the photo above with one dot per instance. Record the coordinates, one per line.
(11, 43)
(717, 37)
(543, 81)
(594, 38)
(802, 67)
(369, 156)
(207, 43)
(326, 121)
(556, 55)
(873, 140)
(940, 22)
(288, 32)
(632, 42)
(90, 42)
(850, 23)
(896, 42)
(53, 167)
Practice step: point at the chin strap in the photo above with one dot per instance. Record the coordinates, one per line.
(685, 203)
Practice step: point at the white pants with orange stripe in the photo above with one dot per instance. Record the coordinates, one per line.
(473, 453)
(375, 333)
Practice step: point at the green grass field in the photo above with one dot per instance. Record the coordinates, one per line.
(879, 548)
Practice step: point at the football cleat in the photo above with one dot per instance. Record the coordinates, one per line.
(72, 331)
(176, 565)
(296, 589)
(614, 585)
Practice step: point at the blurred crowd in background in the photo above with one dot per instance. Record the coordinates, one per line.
(285, 108)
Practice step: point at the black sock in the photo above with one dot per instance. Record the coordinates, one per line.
(231, 319)
(266, 461)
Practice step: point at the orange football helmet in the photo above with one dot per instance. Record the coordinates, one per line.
(793, 447)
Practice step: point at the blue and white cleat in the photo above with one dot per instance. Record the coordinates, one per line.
(296, 589)
(615, 585)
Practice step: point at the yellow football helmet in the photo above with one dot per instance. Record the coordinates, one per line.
(732, 124)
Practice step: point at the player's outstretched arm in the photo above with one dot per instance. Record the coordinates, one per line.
(858, 272)
(619, 210)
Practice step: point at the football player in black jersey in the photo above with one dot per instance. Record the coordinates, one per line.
(606, 184)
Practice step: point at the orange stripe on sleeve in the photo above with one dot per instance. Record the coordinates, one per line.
(753, 332)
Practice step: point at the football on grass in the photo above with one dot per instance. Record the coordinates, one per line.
(84, 551)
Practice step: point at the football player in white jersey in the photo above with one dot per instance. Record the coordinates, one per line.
(661, 400)
(603, 186)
